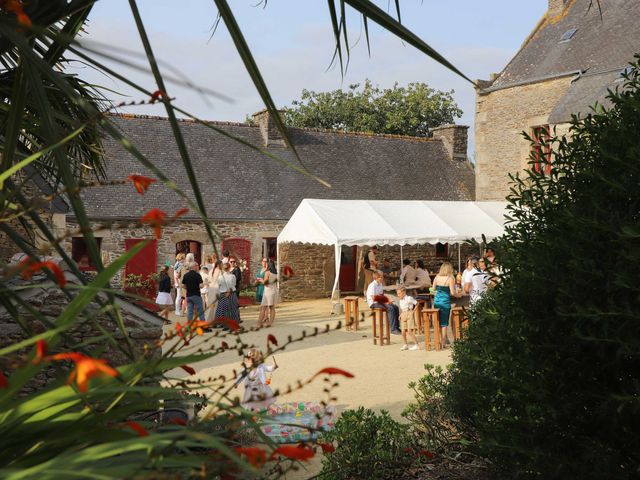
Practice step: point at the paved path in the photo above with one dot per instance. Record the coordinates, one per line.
(382, 374)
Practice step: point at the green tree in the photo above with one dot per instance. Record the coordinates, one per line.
(412, 110)
(547, 376)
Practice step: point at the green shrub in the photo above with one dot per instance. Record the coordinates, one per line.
(435, 427)
(368, 446)
(547, 376)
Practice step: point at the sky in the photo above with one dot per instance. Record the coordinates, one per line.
(292, 43)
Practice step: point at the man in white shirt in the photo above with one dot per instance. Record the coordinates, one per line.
(374, 289)
(478, 282)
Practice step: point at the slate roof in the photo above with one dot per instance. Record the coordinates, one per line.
(238, 183)
(584, 93)
(599, 45)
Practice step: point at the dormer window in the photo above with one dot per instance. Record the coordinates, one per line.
(625, 72)
(566, 36)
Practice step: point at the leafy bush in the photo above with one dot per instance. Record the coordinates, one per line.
(368, 446)
(547, 375)
(434, 426)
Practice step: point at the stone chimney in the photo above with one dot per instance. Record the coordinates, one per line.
(271, 136)
(556, 7)
(454, 140)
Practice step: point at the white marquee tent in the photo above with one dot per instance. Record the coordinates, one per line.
(391, 222)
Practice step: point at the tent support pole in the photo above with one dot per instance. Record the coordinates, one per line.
(335, 282)
(459, 256)
(278, 266)
(401, 258)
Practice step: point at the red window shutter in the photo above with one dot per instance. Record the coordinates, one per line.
(145, 261)
(240, 249)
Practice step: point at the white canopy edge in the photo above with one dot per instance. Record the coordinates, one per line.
(390, 222)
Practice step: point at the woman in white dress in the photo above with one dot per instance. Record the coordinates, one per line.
(212, 294)
(269, 297)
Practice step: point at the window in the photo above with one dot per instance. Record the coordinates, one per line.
(442, 250)
(566, 36)
(541, 149)
(80, 253)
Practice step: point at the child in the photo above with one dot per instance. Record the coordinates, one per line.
(257, 392)
(407, 322)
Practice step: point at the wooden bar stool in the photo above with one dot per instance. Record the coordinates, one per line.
(422, 303)
(457, 315)
(431, 318)
(380, 322)
(351, 312)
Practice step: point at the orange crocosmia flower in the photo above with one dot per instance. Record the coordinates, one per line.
(139, 429)
(188, 369)
(199, 325)
(157, 95)
(41, 352)
(327, 447)
(256, 456)
(4, 383)
(231, 324)
(272, 339)
(28, 268)
(334, 371)
(179, 213)
(156, 218)
(15, 6)
(141, 182)
(295, 452)
(86, 368)
(179, 329)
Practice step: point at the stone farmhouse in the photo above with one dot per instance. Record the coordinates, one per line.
(250, 197)
(566, 65)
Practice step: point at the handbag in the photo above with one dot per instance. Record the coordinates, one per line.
(226, 294)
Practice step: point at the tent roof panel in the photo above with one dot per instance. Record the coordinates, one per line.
(392, 222)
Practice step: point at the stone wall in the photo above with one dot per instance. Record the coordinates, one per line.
(501, 117)
(313, 271)
(142, 328)
(426, 253)
(113, 239)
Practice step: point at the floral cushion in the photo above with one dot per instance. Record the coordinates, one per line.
(297, 421)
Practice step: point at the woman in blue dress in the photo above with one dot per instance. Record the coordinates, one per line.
(444, 285)
(260, 280)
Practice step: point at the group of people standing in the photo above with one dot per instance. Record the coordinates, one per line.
(210, 291)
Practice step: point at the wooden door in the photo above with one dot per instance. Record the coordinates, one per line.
(348, 258)
(190, 246)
